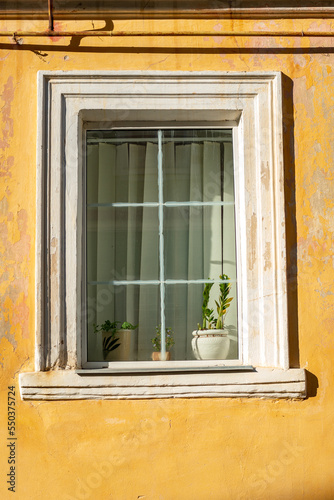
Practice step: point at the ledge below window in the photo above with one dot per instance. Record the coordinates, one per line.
(104, 384)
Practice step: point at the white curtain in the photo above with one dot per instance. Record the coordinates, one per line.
(123, 242)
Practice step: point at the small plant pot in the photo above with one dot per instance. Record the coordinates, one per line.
(124, 352)
(156, 356)
(210, 344)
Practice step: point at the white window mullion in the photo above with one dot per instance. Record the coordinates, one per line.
(161, 247)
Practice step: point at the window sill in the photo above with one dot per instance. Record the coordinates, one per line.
(106, 384)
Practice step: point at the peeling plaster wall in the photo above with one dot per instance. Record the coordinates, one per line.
(177, 449)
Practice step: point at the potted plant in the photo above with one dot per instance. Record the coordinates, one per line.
(156, 341)
(210, 340)
(117, 340)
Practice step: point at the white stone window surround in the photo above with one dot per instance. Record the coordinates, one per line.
(251, 103)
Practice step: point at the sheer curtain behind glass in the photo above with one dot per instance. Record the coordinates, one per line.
(123, 258)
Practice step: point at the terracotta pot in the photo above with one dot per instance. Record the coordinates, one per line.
(156, 356)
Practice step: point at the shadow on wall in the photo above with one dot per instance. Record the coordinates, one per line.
(312, 384)
(74, 46)
(290, 218)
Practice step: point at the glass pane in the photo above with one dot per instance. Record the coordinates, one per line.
(184, 313)
(135, 304)
(199, 242)
(122, 166)
(122, 243)
(197, 165)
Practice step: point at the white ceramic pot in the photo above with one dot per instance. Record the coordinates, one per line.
(210, 344)
(126, 351)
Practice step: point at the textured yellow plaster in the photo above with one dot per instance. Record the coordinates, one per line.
(176, 449)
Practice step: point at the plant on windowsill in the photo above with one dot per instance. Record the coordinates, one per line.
(117, 340)
(211, 341)
(156, 341)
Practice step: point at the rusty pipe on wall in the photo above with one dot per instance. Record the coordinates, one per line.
(50, 15)
(111, 34)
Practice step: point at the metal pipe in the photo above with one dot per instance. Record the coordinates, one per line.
(50, 14)
(168, 33)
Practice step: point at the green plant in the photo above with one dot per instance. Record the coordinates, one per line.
(110, 342)
(223, 303)
(156, 341)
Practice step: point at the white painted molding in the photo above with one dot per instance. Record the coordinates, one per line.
(63, 384)
(251, 103)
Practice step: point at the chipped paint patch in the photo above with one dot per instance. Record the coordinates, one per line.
(7, 347)
(54, 256)
(267, 256)
(6, 165)
(14, 265)
(218, 39)
(265, 175)
(57, 26)
(253, 237)
(114, 421)
(7, 97)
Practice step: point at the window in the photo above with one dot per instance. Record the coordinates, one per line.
(82, 112)
(160, 222)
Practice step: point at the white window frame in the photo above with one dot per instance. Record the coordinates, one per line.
(135, 365)
(251, 103)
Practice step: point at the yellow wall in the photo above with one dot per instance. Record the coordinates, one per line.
(176, 449)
